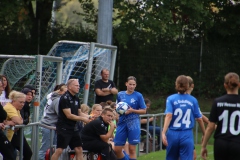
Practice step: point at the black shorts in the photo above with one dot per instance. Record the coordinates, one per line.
(98, 146)
(95, 145)
(66, 139)
(226, 150)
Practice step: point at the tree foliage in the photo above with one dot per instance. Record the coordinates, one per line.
(169, 19)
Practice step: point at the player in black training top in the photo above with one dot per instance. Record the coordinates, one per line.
(225, 113)
(67, 126)
(95, 135)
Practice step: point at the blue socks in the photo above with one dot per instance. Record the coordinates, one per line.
(126, 157)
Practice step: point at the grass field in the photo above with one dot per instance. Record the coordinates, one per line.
(160, 155)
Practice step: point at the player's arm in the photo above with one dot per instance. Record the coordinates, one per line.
(73, 117)
(167, 121)
(201, 124)
(105, 137)
(205, 119)
(80, 113)
(208, 133)
(139, 111)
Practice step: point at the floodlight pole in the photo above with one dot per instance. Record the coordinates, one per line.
(104, 30)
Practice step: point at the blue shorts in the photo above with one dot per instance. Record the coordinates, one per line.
(129, 130)
(180, 145)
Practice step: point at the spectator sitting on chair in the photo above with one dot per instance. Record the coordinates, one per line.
(50, 119)
(104, 88)
(95, 135)
(151, 127)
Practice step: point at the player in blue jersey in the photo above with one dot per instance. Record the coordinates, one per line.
(128, 126)
(181, 111)
(204, 118)
(225, 113)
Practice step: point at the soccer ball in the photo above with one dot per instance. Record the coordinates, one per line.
(122, 107)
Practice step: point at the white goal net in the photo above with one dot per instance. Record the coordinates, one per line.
(78, 62)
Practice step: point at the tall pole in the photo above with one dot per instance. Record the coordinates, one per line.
(104, 33)
(104, 30)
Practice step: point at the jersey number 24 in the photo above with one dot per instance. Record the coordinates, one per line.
(182, 119)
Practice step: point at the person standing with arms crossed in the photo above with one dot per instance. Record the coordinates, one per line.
(68, 115)
(104, 88)
(225, 113)
(181, 111)
(128, 127)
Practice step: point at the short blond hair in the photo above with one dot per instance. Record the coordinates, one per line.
(70, 81)
(14, 95)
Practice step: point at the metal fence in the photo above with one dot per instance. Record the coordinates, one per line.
(157, 121)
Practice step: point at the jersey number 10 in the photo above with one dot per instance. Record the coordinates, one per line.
(224, 118)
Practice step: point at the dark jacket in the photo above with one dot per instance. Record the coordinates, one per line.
(25, 113)
(3, 114)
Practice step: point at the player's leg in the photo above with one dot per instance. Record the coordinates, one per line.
(134, 133)
(63, 140)
(97, 146)
(186, 145)
(132, 152)
(172, 150)
(76, 144)
(233, 150)
(120, 140)
(57, 154)
(226, 149)
(78, 153)
(126, 148)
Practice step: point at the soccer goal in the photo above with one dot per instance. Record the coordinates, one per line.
(65, 60)
(85, 61)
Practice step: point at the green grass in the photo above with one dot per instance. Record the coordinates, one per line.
(161, 155)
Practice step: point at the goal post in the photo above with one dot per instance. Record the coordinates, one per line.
(65, 60)
(90, 65)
